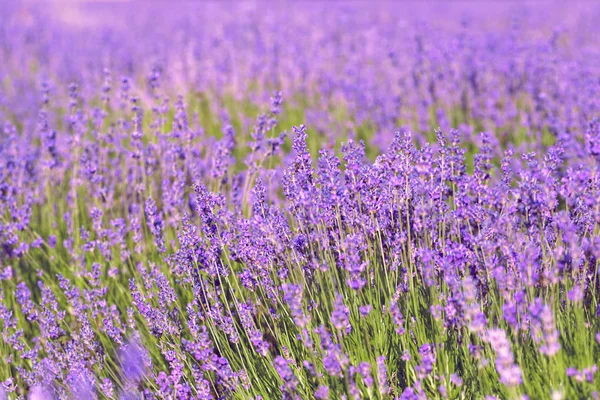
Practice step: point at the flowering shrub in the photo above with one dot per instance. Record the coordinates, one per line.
(300, 202)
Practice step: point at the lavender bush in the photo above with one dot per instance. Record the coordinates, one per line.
(310, 201)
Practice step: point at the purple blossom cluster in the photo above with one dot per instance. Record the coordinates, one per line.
(304, 202)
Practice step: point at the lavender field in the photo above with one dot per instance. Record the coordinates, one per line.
(309, 200)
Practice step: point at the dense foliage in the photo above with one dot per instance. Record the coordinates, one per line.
(314, 201)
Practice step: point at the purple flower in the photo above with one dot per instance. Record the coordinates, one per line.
(509, 371)
(365, 310)
(543, 329)
(340, 316)
(382, 375)
(322, 393)
(133, 360)
(39, 392)
(285, 372)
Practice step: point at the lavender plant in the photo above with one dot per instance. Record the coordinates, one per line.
(309, 201)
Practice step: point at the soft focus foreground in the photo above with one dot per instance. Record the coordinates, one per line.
(307, 202)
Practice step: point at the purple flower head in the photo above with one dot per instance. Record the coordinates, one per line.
(576, 294)
(364, 369)
(365, 310)
(52, 241)
(133, 360)
(543, 329)
(426, 365)
(456, 380)
(83, 387)
(285, 372)
(39, 392)
(382, 379)
(322, 393)
(276, 102)
(292, 295)
(397, 317)
(509, 371)
(340, 316)
(106, 387)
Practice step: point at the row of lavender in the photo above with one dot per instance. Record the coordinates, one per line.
(210, 203)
